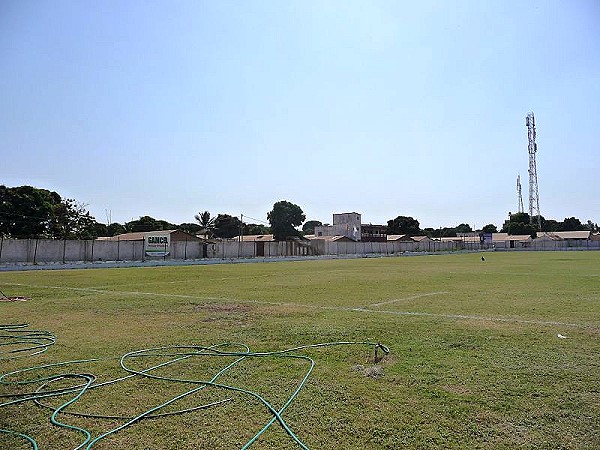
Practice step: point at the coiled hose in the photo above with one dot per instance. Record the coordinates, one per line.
(21, 342)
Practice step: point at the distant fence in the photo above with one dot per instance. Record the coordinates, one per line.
(40, 251)
(566, 245)
(323, 247)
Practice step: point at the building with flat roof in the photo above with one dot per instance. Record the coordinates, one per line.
(344, 224)
(373, 233)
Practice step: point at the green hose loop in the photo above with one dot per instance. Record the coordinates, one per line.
(27, 343)
(30, 343)
(24, 436)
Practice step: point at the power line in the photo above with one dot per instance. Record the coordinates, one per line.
(258, 220)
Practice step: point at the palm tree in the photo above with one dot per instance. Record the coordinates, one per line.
(206, 222)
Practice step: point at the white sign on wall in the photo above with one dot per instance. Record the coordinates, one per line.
(157, 243)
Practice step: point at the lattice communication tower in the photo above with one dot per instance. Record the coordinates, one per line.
(534, 195)
(519, 195)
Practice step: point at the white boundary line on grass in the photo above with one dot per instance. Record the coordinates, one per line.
(321, 307)
(412, 297)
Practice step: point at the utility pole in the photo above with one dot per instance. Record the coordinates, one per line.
(241, 236)
(534, 195)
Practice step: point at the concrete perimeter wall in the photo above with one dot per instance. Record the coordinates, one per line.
(566, 245)
(323, 247)
(34, 251)
(40, 251)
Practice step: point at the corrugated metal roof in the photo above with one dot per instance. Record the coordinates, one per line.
(562, 235)
(510, 237)
(573, 234)
(329, 238)
(399, 237)
(469, 239)
(548, 236)
(421, 238)
(141, 235)
(255, 238)
(454, 239)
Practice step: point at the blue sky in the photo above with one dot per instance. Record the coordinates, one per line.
(384, 108)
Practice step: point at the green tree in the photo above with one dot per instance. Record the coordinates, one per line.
(448, 232)
(309, 226)
(490, 228)
(115, 229)
(522, 218)
(404, 225)
(284, 218)
(256, 229)
(29, 212)
(206, 222)
(464, 228)
(191, 228)
(572, 224)
(519, 228)
(430, 232)
(100, 229)
(226, 226)
(593, 227)
(438, 232)
(167, 225)
(551, 225)
(71, 220)
(26, 211)
(144, 223)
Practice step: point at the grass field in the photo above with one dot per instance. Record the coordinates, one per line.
(475, 358)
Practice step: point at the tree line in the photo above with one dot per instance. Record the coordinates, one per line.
(28, 212)
(517, 224)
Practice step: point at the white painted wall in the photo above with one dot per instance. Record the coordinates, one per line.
(34, 251)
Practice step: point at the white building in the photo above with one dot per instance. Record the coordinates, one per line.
(344, 224)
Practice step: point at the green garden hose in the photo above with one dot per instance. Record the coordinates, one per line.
(22, 343)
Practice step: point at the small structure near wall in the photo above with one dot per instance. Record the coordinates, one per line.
(156, 243)
(254, 238)
(174, 235)
(349, 225)
(373, 233)
(344, 224)
(422, 239)
(399, 238)
(505, 240)
(547, 237)
(571, 236)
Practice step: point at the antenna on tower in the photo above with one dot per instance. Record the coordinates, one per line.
(534, 195)
(521, 208)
